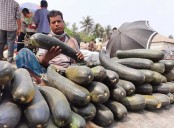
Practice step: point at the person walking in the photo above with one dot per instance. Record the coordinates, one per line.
(10, 25)
(41, 20)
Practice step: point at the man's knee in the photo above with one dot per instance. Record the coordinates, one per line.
(23, 52)
(22, 57)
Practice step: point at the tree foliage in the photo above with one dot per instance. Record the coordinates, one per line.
(89, 30)
(108, 30)
(74, 27)
(87, 24)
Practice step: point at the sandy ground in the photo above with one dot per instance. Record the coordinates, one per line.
(163, 118)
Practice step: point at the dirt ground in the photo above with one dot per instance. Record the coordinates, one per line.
(163, 118)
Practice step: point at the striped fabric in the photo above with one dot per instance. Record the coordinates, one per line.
(9, 13)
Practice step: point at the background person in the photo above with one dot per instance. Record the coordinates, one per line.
(92, 46)
(99, 45)
(28, 21)
(28, 26)
(10, 25)
(40, 18)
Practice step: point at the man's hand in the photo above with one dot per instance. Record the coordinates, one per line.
(79, 55)
(53, 52)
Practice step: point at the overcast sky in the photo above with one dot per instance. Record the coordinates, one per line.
(159, 13)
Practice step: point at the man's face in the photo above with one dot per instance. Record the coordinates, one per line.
(57, 25)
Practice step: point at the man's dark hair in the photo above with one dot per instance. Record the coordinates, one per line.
(54, 13)
(25, 10)
(43, 3)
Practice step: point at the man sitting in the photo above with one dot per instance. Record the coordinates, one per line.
(37, 65)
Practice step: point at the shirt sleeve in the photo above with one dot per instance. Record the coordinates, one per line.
(18, 14)
(36, 17)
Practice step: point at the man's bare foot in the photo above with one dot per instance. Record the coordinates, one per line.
(90, 124)
(43, 84)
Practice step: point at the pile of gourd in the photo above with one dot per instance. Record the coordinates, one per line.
(134, 80)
